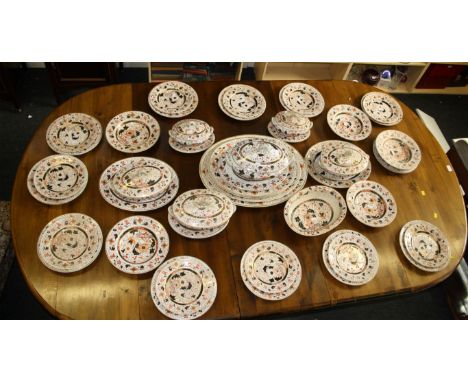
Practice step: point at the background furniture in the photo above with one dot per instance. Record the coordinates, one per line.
(431, 193)
(194, 71)
(67, 75)
(8, 85)
(417, 73)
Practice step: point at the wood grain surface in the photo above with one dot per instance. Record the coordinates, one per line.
(100, 291)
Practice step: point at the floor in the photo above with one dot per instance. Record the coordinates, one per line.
(35, 93)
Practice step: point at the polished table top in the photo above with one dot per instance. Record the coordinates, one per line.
(100, 291)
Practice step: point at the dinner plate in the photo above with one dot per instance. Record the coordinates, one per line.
(41, 198)
(317, 172)
(350, 257)
(141, 178)
(242, 102)
(371, 203)
(385, 164)
(183, 287)
(343, 158)
(132, 132)
(191, 233)
(74, 134)
(302, 98)
(382, 108)
(191, 131)
(173, 99)
(349, 122)
(271, 270)
(137, 244)
(60, 177)
(398, 150)
(315, 210)
(69, 243)
(111, 197)
(425, 245)
(193, 148)
(203, 208)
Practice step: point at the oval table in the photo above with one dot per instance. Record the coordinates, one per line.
(100, 291)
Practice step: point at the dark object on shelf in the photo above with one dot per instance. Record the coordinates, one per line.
(8, 85)
(370, 77)
(460, 80)
(439, 76)
(68, 75)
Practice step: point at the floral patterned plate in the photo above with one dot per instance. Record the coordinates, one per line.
(371, 203)
(41, 198)
(202, 209)
(173, 99)
(191, 149)
(271, 270)
(290, 138)
(60, 177)
(74, 134)
(242, 102)
(315, 210)
(137, 244)
(398, 150)
(385, 164)
(110, 196)
(425, 246)
(343, 158)
(141, 178)
(69, 243)
(382, 108)
(317, 172)
(349, 122)
(183, 287)
(302, 98)
(191, 233)
(191, 131)
(350, 257)
(132, 131)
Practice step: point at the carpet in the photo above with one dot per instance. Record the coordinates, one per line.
(6, 256)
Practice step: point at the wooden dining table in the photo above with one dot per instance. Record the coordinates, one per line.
(100, 291)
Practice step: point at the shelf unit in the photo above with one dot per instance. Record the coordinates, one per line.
(237, 76)
(297, 71)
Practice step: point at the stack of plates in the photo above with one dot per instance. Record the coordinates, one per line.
(349, 122)
(302, 98)
(270, 270)
(425, 246)
(173, 99)
(183, 288)
(74, 134)
(397, 152)
(139, 184)
(242, 102)
(132, 132)
(371, 203)
(201, 213)
(57, 179)
(382, 108)
(253, 170)
(350, 257)
(290, 126)
(69, 243)
(315, 210)
(191, 136)
(337, 164)
(137, 244)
